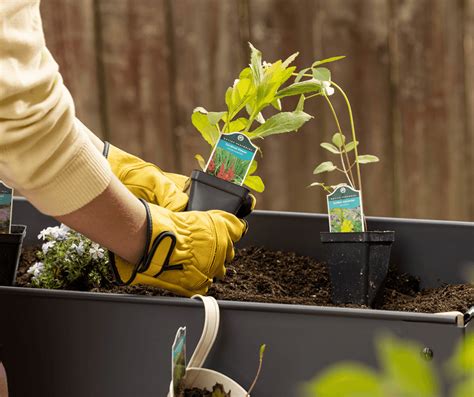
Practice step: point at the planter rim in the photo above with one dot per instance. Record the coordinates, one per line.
(369, 218)
(372, 236)
(455, 318)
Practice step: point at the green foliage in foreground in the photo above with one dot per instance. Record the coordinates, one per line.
(404, 373)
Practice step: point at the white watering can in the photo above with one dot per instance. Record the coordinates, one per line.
(204, 378)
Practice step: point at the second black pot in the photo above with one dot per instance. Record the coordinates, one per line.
(208, 192)
(10, 250)
(358, 265)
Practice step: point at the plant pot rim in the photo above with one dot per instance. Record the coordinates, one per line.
(18, 232)
(375, 236)
(210, 180)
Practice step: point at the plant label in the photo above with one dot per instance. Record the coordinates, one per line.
(6, 200)
(178, 362)
(231, 158)
(345, 210)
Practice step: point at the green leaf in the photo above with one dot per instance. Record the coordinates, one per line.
(462, 362)
(260, 118)
(351, 146)
(201, 161)
(367, 158)
(253, 167)
(281, 123)
(346, 380)
(209, 132)
(327, 60)
(290, 59)
(464, 388)
(406, 371)
(300, 106)
(301, 74)
(262, 351)
(322, 74)
(330, 147)
(302, 87)
(327, 166)
(215, 117)
(256, 64)
(338, 139)
(238, 124)
(254, 182)
(276, 103)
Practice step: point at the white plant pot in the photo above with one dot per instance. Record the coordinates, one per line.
(204, 378)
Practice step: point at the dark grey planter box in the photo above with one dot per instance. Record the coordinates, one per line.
(76, 344)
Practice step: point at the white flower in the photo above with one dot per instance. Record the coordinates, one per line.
(328, 89)
(56, 232)
(79, 248)
(96, 252)
(46, 246)
(36, 270)
(65, 227)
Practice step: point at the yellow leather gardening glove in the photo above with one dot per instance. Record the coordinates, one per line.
(184, 250)
(146, 180)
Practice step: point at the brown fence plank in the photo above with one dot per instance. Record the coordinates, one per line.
(135, 57)
(430, 101)
(206, 58)
(70, 36)
(280, 28)
(359, 29)
(469, 73)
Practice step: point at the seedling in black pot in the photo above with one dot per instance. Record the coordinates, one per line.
(11, 238)
(358, 259)
(231, 166)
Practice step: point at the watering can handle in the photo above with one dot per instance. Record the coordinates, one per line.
(209, 331)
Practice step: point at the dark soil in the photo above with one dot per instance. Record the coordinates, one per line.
(195, 392)
(260, 275)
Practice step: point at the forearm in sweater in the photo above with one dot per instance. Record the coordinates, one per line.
(45, 153)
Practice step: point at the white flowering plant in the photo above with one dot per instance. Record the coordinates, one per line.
(67, 259)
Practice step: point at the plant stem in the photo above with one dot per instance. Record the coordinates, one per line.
(256, 376)
(354, 138)
(346, 172)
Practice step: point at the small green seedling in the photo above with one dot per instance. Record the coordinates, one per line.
(260, 362)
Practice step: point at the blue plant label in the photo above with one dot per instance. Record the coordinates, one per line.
(345, 210)
(6, 200)
(231, 158)
(178, 362)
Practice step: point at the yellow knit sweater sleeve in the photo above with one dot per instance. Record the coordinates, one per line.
(45, 152)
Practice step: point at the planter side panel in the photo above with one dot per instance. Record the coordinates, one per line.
(435, 251)
(120, 346)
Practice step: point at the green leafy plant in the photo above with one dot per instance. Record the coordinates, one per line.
(404, 373)
(258, 88)
(68, 259)
(346, 151)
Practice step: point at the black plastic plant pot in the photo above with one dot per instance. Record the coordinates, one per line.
(10, 250)
(358, 265)
(208, 192)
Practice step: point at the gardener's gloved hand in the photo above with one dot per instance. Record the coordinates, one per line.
(146, 180)
(185, 250)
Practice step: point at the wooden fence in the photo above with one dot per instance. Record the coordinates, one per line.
(137, 68)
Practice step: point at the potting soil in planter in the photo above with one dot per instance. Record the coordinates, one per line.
(260, 275)
(195, 392)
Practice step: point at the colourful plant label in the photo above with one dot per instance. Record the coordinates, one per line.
(345, 210)
(178, 362)
(6, 199)
(231, 158)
